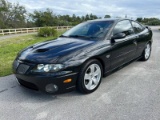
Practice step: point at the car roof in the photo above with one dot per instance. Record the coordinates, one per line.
(109, 19)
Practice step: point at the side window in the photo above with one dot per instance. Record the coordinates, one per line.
(137, 27)
(123, 27)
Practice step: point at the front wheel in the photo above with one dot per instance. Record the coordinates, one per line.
(147, 52)
(90, 77)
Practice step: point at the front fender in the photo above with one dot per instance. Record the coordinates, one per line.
(82, 56)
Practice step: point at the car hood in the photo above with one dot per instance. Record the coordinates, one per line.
(52, 51)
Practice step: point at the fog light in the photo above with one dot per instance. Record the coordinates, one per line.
(51, 88)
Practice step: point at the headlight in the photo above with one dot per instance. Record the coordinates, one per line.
(48, 68)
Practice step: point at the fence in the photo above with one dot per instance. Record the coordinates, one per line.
(29, 30)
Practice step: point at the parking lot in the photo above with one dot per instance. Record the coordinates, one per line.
(132, 93)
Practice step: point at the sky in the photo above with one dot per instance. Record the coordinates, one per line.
(115, 8)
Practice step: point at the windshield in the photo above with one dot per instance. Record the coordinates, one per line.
(93, 29)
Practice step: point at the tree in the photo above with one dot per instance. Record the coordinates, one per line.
(92, 17)
(42, 18)
(87, 17)
(12, 15)
(17, 16)
(149, 21)
(107, 16)
(74, 18)
(3, 5)
(139, 19)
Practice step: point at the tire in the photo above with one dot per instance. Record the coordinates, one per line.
(146, 53)
(90, 77)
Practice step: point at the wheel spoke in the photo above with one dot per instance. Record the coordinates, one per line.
(95, 81)
(97, 72)
(92, 68)
(87, 76)
(89, 85)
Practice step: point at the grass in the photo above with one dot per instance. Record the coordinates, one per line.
(11, 46)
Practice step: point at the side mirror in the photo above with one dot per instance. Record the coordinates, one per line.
(148, 27)
(118, 36)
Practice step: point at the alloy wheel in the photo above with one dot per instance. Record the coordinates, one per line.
(92, 76)
(147, 51)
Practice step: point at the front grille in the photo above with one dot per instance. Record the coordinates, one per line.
(22, 68)
(28, 84)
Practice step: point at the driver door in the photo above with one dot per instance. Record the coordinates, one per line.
(124, 49)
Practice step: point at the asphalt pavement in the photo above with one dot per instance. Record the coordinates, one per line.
(132, 93)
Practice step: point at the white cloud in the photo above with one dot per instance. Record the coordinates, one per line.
(143, 8)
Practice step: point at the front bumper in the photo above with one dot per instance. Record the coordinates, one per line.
(44, 82)
(40, 82)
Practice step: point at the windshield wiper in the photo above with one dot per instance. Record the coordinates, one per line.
(79, 36)
(74, 36)
(63, 36)
(82, 36)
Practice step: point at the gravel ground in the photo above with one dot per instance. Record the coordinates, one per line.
(14, 35)
(132, 93)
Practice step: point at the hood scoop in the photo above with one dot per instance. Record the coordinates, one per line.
(41, 50)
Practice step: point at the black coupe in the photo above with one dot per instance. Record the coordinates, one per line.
(83, 55)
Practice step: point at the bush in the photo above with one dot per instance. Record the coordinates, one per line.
(46, 32)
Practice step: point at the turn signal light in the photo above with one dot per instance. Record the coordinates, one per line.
(67, 81)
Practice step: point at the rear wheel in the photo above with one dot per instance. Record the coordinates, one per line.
(146, 53)
(90, 77)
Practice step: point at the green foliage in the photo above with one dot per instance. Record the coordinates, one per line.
(46, 32)
(42, 18)
(47, 18)
(139, 19)
(12, 15)
(149, 21)
(107, 16)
